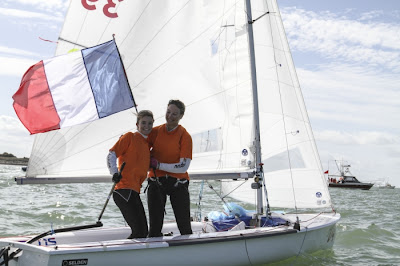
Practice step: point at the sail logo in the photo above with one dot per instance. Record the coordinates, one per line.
(106, 9)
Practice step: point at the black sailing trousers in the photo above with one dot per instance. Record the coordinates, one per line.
(131, 206)
(180, 201)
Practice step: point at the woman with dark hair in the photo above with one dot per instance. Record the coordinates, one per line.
(133, 149)
(171, 155)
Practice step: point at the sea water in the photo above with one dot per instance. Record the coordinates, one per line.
(367, 234)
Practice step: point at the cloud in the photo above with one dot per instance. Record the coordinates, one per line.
(25, 15)
(338, 37)
(347, 97)
(359, 138)
(14, 51)
(13, 66)
(371, 15)
(14, 137)
(356, 86)
(44, 5)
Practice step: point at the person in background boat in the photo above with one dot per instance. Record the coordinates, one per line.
(133, 149)
(171, 155)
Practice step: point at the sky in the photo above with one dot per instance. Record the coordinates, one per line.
(347, 57)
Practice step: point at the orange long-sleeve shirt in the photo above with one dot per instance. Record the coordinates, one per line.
(169, 147)
(133, 149)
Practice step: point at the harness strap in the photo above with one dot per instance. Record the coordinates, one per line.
(159, 184)
(180, 181)
(155, 179)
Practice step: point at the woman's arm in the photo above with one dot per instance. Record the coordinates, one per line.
(120, 147)
(181, 167)
(112, 162)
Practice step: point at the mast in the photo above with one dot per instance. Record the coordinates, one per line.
(257, 143)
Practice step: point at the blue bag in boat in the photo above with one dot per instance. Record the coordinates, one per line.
(232, 215)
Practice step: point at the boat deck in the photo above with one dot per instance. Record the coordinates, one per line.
(92, 244)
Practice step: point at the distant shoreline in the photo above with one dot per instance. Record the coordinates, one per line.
(13, 160)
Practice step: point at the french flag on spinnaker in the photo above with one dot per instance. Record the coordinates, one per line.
(73, 89)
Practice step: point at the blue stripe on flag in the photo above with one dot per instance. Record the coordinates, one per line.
(107, 78)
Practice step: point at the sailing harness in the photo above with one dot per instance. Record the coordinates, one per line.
(158, 182)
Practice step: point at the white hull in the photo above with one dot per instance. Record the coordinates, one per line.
(236, 247)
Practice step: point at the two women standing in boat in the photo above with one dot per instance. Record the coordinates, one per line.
(169, 160)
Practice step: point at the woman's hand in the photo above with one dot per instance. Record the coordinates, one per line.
(154, 163)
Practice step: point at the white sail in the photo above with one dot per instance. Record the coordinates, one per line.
(196, 51)
(293, 171)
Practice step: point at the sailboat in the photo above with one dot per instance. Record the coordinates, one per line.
(230, 63)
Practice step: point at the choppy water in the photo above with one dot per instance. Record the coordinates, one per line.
(367, 234)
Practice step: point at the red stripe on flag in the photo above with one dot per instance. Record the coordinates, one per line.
(33, 103)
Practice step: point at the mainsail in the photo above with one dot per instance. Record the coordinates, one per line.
(198, 52)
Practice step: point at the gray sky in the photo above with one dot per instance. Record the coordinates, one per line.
(347, 56)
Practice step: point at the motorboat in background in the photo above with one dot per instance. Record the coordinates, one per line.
(384, 184)
(345, 179)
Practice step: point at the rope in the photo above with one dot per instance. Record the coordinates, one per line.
(247, 252)
(302, 243)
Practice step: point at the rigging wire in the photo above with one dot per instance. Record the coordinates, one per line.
(267, 207)
(74, 43)
(222, 199)
(198, 212)
(244, 182)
